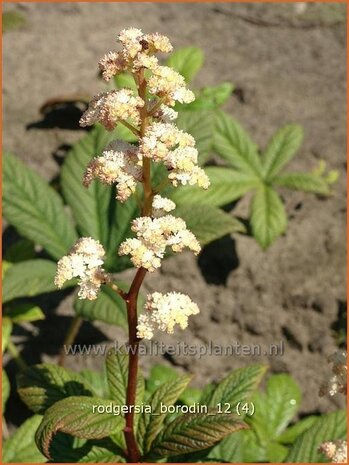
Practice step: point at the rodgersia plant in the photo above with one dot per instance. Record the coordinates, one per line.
(87, 416)
(149, 115)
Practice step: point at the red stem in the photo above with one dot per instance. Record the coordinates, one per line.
(133, 454)
(131, 300)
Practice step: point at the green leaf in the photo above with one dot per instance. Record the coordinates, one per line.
(200, 125)
(90, 205)
(268, 216)
(6, 332)
(40, 386)
(79, 417)
(186, 61)
(159, 374)
(109, 308)
(326, 428)
(306, 182)
(34, 208)
(234, 145)
(20, 251)
(226, 186)
(275, 409)
(150, 423)
(120, 227)
(281, 149)
(97, 381)
(117, 375)
(24, 312)
(67, 449)
(211, 97)
(208, 223)
(21, 447)
(292, 432)
(238, 386)
(192, 432)
(230, 449)
(6, 388)
(5, 266)
(28, 279)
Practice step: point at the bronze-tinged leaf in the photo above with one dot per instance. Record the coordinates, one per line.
(193, 432)
(79, 417)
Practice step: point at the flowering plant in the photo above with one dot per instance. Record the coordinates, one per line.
(75, 419)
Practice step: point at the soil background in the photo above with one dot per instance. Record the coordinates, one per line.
(288, 65)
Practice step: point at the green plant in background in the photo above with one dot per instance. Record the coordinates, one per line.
(272, 434)
(75, 413)
(262, 174)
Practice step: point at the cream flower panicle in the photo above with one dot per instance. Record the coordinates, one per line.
(117, 164)
(164, 142)
(136, 53)
(170, 86)
(153, 235)
(84, 261)
(163, 312)
(335, 451)
(337, 383)
(108, 108)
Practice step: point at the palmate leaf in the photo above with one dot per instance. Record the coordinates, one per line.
(192, 432)
(76, 416)
(40, 386)
(34, 208)
(21, 447)
(238, 386)
(109, 307)
(150, 423)
(281, 149)
(226, 186)
(306, 182)
(186, 61)
(28, 279)
(268, 216)
(117, 375)
(208, 223)
(90, 205)
(326, 428)
(234, 145)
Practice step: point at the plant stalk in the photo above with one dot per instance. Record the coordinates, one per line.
(131, 298)
(70, 337)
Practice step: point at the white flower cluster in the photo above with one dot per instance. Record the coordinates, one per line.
(335, 451)
(108, 108)
(162, 205)
(137, 52)
(337, 383)
(84, 261)
(176, 149)
(163, 312)
(117, 164)
(153, 235)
